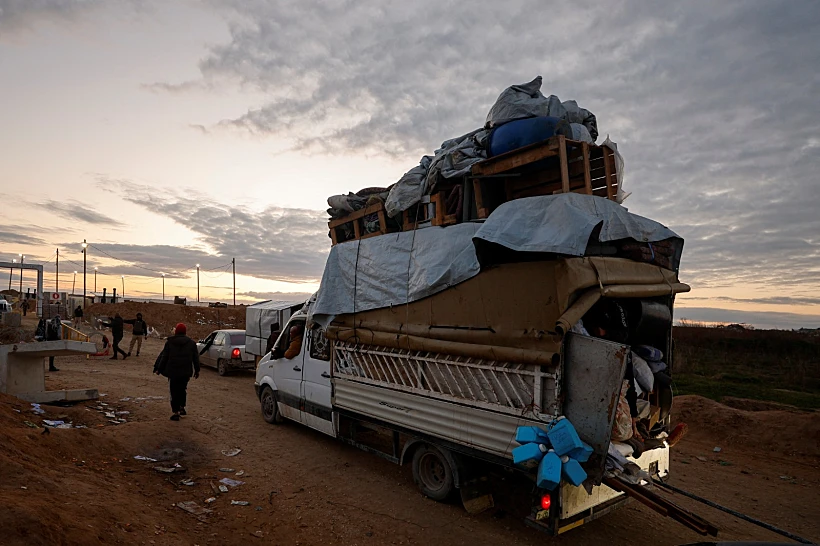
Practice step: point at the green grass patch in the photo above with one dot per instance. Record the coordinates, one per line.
(741, 386)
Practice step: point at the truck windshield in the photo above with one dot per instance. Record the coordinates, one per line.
(237, 339)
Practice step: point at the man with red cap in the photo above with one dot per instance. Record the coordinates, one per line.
(178, 361)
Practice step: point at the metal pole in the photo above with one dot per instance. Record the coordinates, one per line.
(95, 281)
(11, 272)
(22, 258)
(197, 283)
(57, 278)
(163, 287)
(73, 283)
(85, 253)
(123, 289)
(233, 262)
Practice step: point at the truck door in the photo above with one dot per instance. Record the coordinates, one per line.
(287, 375)
(316, 382)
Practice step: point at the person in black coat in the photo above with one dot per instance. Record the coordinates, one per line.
(116, 325)
(178, 361)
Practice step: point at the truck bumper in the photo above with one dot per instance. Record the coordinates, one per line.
(258, 388)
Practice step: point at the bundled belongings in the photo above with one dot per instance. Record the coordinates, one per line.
(530, 145)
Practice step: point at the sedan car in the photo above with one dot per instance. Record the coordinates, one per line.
(225, 351)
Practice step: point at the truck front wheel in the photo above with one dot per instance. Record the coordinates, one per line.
(432, 472)
(270, 409)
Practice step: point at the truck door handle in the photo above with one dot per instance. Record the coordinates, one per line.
(325, 374)
(297, 369)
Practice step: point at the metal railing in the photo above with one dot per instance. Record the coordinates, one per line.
(508, 387)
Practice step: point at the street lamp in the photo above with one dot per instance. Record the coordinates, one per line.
(22, 258)
(95, 281)
(85, 245)
(123, 288)
(11, 271)
(163, 287)
(197, 283)
(73, 282)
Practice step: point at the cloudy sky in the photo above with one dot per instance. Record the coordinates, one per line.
(174, 133)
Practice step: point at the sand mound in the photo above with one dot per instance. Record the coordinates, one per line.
(200, 320)
(783, 431)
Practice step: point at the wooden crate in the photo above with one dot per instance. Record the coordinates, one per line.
(557, 165)
(356, 218)
(431, 211)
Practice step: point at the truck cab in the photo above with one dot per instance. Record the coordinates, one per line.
(297, 388)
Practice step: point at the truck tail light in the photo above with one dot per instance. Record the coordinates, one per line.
(235, 353)
(546, 501)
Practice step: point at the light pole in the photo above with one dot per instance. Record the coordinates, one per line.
(22, 258)
(197, 283)
(11, 271)
(73, 283)
(85, 248)
(163, 287)
(95, 281)
(123, 288)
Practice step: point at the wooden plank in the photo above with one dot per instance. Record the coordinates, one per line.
(481, 211)
(562, 155)
(587, 174)
(516, 158)
(357, 228)
(437, 200)
(608, 174)
(356, 214)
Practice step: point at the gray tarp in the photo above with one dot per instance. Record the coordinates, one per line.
(403, 267)
(259, 317)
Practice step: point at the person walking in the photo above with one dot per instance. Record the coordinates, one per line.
(24, 307)
(178, 361)
(78, 317)
(54, 332)
(139, 332)
(116, 324)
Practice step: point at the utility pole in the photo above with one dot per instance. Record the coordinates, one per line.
(197, 283)
(73, 283)
(233, 262)
(123, 289)
(163, 287)
(57, 278)
(95, 281)
(11, 271)
(21, 275)
(85, 253)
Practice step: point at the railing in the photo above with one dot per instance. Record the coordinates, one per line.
(70, 333)
(508, 387)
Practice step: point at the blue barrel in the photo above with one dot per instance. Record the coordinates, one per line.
(523, 132)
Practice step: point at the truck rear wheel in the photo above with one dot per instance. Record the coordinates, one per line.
(432, 472)
(270, 409)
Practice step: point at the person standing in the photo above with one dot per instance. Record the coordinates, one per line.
(116, 325)
(274, 335)
(139, 332)
(78, 316)
(24, 307)
(179, 361)
(54, 332)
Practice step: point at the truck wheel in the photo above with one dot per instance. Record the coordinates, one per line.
(432, 473)
(270, 409)
(221, 367)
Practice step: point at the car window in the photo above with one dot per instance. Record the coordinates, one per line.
(237, 339)
(319, 344)
(220, 339)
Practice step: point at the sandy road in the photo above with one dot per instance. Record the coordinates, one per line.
(306, 488)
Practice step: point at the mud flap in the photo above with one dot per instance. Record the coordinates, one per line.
(476, 496)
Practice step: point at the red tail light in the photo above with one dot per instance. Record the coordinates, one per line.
(546, 501)
(235, 353)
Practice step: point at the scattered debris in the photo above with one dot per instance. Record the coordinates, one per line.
(230, 482)
(231, 452)
(110, 415)
(37, 409)
(187, 481)
(144, 458)
(226, 470)
(169, 469)
(786, 478)
(240, 473)
(209, 500)
(223, 488)
(725, 463)
(30, 424)
(193, 508)
(717, 450)
(126, 399)
(239, 503)
(56, 424)
(701, 458)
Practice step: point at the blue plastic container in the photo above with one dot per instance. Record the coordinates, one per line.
(581, 454)
(549, 471)
(563, 437)
(527, 435)
(523, 132)
(572, 472)
(529, 455)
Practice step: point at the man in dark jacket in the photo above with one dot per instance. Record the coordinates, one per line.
(178, 361)
(116, 332)
(139, 332)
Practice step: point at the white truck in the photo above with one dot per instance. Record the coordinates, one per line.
(444, 379)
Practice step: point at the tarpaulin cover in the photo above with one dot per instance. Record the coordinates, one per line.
(399, 268)
(259, 317)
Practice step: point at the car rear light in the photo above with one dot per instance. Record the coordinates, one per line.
(546, 501)
(235, 353)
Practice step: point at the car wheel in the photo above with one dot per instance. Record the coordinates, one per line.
(432, 473)
(270, 409)
(221, 367)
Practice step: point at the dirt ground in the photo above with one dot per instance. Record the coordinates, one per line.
(83, 486)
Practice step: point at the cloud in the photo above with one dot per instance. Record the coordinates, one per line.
(11, 234)
(75, 210)
(295, 297)
(714, 109)
(275, 243)
(772, 300)
(765, 320)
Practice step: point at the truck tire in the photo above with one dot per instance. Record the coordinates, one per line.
(432, 472)
(270, 409)
(221, 367)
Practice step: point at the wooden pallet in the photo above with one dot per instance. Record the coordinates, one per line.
(556, 165)
(356, 218)
(415, 216)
